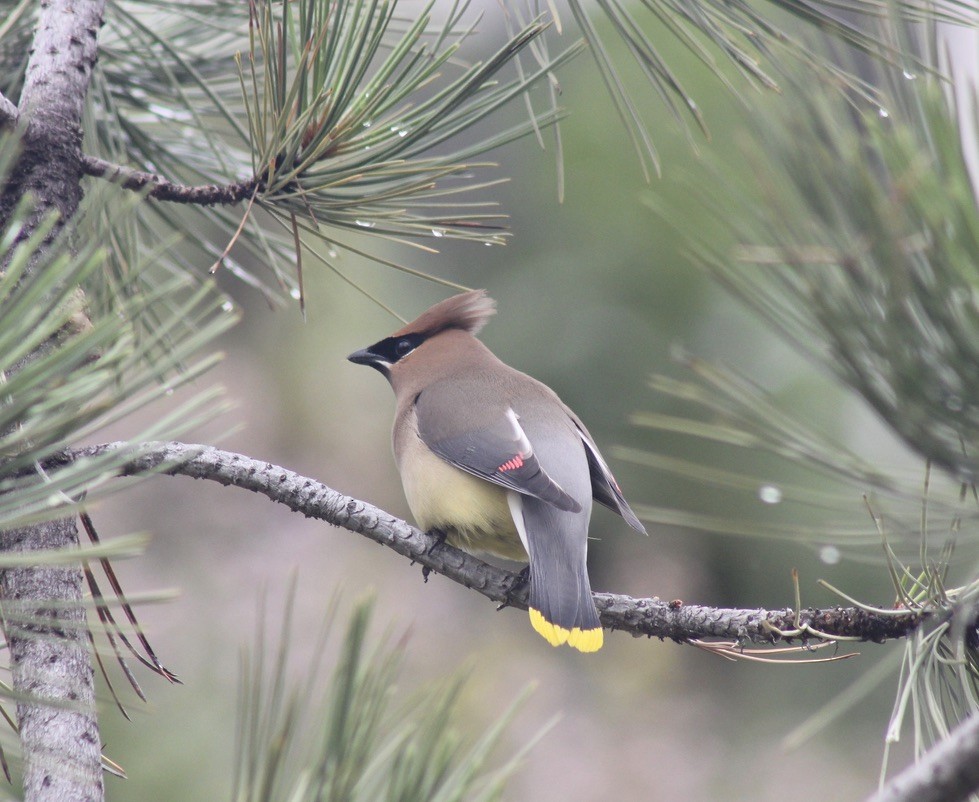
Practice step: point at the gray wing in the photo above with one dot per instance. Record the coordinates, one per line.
(498, 451)
(605, 490)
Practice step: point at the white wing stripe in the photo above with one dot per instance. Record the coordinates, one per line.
(523, 443)
(515, 502)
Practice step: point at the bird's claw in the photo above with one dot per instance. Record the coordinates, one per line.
(517, 583)
(439, 536)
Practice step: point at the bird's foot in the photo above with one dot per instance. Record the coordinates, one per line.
(518, 582)
(439, 536)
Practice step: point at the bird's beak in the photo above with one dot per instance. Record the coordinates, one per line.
(362, 357)
(366, 356)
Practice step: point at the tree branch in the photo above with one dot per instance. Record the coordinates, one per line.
(649, 617)
(164, 189)
(947, 773)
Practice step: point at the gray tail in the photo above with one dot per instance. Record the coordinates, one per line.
(561, 606)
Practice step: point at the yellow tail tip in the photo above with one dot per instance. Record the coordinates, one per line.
(584, 640)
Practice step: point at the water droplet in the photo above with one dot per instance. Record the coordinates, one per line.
(332, 253)
(227, 306)
(367, 124)
(909, 75)
(54, 499)
(883, 112)
(403, 132)
(830, 555)
(770, 494)
(364, 223)
(168, 391)
(438, 232)
(295, 294)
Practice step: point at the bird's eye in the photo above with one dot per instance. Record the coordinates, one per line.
(404, 347)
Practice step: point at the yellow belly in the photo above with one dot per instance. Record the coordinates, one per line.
(473, 513)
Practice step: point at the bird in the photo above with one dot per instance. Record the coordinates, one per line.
(492, 459)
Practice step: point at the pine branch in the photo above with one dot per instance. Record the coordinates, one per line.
(947, 773)
(163, 189)
(641, 617)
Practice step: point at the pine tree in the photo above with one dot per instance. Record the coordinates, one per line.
(145, 148)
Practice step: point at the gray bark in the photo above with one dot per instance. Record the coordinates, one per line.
(63, 53)
(50, 659)
(653, 618)
(45, 626)
(162, 189)
(947, 773)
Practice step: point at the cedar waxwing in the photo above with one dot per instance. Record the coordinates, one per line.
(493, 459)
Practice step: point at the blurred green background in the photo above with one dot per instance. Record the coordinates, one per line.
(593, 294)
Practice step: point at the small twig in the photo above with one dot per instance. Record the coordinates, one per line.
(163, 189)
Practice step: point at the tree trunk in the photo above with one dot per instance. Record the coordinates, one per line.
(49, 652)
(43, 615)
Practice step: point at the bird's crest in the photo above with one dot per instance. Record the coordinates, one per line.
(468, 311)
